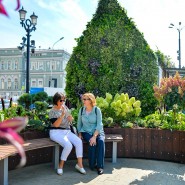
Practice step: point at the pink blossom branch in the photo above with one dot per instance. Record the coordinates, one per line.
(18, 5)
(8, 129)
(3, 10)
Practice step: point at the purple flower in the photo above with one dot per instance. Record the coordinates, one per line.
(8, 131)
(3, 10)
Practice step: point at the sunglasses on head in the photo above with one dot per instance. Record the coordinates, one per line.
(62, 100)
(84, 99)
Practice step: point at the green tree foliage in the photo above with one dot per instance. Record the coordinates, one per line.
(163, 60)
(50, 100)
(25, 100)
(40, 106)
(40, 96)
(111, 56)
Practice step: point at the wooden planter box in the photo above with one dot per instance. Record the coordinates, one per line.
(151, 144)
(137, 143)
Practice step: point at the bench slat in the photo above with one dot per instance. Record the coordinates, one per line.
(8, 150)
(113, 137)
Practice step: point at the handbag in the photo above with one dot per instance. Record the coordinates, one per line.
(73, 129)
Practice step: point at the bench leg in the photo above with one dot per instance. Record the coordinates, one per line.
(56, 150)
(4, 171)
(114, 152)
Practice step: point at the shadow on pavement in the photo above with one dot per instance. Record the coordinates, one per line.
(125, 172)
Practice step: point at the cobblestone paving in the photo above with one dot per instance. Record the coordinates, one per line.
(124, 172)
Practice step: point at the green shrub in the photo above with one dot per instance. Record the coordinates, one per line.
(40, 96)
(171, 91)
(171, 120)
(40, 106)
(111, 56)
(25, 100)
(50, 100)
(119, 108)
(35, 125)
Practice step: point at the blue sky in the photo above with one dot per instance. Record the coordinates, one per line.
(68, 19)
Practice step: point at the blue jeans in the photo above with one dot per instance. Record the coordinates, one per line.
(95, 153)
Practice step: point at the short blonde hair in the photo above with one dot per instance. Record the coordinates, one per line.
(91, 97)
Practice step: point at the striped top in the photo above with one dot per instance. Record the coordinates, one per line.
(54, 114)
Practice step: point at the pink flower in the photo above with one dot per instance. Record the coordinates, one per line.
(18, 5)
(3, 10)
(9, 129)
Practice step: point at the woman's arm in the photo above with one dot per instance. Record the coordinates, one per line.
(58, 121)
(79, 123)
(98, 128)
(99, 125)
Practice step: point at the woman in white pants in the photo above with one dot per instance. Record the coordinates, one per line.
(60, 117)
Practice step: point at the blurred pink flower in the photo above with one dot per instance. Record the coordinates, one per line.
(8, 131)
(3, 10)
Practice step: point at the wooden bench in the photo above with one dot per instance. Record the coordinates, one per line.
(9, 150)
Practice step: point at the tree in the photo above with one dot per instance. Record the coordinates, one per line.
(40, 96)
(164, 60)
(25, 100)
(110, 56)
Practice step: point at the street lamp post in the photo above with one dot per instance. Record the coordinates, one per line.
(29, 26)
(52, 59)
(179, 29)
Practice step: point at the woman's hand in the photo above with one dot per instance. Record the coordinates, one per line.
(63, 112)
(92, 141)
(70, 118)
(62, 115)
(80, 136)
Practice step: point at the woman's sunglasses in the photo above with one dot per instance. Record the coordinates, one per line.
(85, 99)
(62, 100)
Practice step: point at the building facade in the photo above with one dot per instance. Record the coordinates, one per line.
(47, 69)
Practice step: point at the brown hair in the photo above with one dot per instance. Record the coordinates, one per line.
(58, 96)
(91, 97)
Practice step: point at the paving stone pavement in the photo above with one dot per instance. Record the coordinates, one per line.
(125, 172)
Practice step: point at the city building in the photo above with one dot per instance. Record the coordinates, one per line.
(47, 69)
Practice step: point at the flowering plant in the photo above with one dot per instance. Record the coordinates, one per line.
(9, 129)
(171, 91)
(119, 108)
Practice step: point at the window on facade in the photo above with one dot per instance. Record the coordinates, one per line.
(33, 83)
(9, 65)
(33, 65)
(40, 83)
(41, 66)
(62, 65)
(53, 65)
(16, 83)
(2, 83)
(16, 65)
(9, 83)
(2, 65)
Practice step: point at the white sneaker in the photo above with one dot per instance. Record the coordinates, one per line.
(81, 170)
(59, 171)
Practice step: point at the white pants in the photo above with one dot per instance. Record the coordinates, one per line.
(67, 139)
